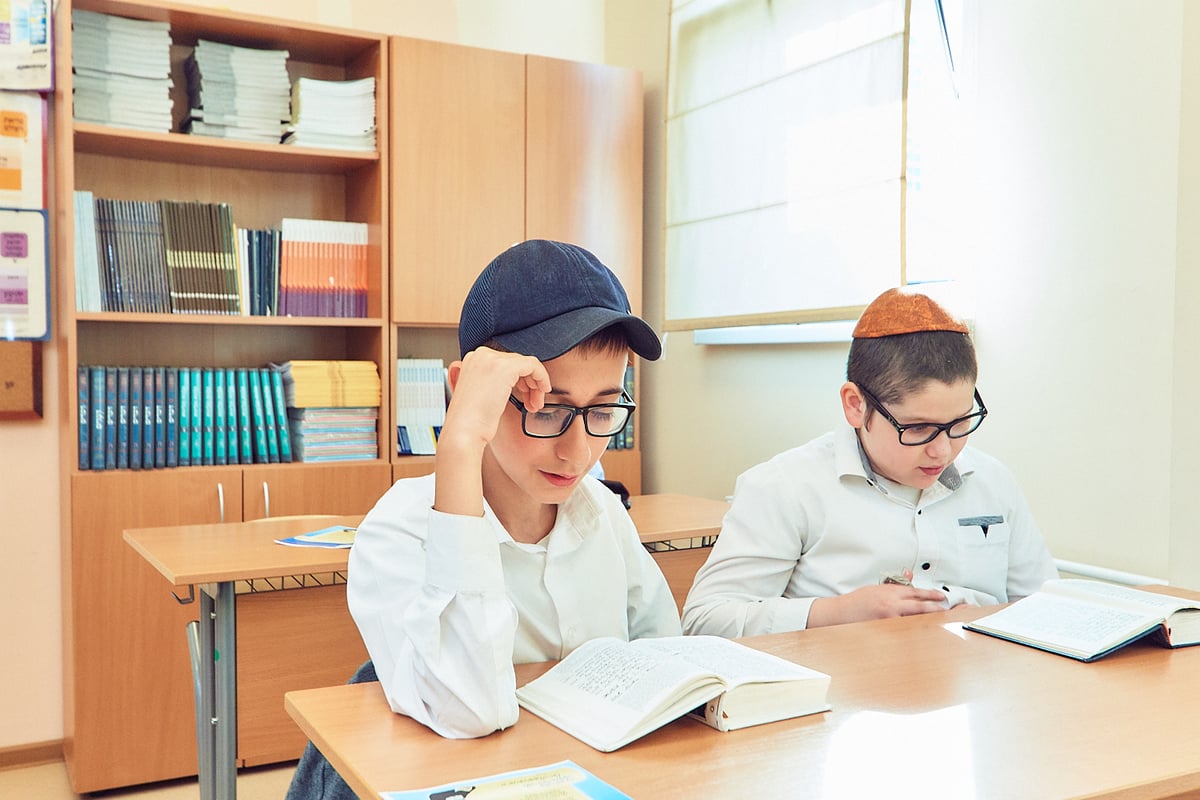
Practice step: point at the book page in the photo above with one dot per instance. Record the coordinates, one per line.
(1066, 622)
(735, 663)
(608, 669)
(607, 693)
(1160, 603)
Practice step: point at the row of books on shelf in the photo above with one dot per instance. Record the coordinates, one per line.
(122, 77)
(421, 392)
(155, 417)
(187, 257)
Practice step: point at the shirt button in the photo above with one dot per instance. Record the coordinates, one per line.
(925, 565)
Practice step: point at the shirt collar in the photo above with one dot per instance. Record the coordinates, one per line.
(851, 459)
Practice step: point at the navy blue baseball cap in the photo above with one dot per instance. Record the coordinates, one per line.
(542, 298)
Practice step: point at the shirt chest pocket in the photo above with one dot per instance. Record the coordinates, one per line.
(982, 542)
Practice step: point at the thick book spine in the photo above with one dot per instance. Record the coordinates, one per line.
(245, 431)
(148, 421)
(84, 402)
(231, 416)
(264, 376)
(220, 441)
(281, 417)
(122, 417)
(99, 420)
(261, 455)
(196, 422)
(166, 417)
(135, 417)
(208, 418)
(183, 417)
(110, 417)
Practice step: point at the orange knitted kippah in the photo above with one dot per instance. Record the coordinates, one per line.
(902, 310)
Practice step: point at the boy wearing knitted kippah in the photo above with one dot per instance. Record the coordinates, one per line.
(889, 515)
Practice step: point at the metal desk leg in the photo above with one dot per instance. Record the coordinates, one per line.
(225, 669)
(200, 649)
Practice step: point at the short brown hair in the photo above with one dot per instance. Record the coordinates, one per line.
(892, 367)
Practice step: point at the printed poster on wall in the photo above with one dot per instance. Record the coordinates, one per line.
(24, 274)
(22, 149)
(26, 60)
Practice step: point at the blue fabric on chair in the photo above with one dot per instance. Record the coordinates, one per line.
(315, 777)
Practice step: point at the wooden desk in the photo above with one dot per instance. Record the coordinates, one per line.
(921, 709)
(678, 530)
(215, 558)
(667, 517)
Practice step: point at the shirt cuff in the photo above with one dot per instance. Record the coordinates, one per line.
(462, 554)
(789, 613)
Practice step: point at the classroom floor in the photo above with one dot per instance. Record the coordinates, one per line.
(49, 782)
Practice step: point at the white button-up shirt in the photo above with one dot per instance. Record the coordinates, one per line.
(815, 521)
(446, 604)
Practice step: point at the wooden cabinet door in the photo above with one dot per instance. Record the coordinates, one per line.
(314, 489)
(129, 689)
(584, 162)
(458, 172)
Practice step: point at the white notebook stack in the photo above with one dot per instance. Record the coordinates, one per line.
(121, 71)
(334, 114)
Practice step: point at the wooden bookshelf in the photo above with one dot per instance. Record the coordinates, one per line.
(127, 693)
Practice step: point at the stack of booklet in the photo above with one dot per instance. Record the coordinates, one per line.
(332, 409)
(335, 114)
(237, 92)
(122, 71)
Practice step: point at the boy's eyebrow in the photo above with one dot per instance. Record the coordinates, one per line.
(602, 393)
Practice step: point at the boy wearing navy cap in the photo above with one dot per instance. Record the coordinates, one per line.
(886, 516)
(510, 553)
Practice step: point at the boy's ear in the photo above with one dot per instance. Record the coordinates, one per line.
(854, 405)
(452, 373)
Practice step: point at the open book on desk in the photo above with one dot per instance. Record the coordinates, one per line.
(609, 692)
(1089, 619)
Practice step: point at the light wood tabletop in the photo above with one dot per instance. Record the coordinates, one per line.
(666, 517)
(199, 554)
(921, 708)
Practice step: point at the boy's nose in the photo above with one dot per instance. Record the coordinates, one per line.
(940, 445)
(574, 446)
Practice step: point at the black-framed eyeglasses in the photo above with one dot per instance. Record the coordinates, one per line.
(918, 433)
(553, 419)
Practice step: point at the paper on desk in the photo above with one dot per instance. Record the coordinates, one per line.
(335, 536)
(566, 779)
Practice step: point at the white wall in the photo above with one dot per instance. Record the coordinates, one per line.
(1079, 160)
(1084, 361)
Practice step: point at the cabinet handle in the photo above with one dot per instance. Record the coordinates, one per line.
(266, 499)
(221, 500)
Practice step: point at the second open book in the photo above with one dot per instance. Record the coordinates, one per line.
(609, 692)
(1086, 619)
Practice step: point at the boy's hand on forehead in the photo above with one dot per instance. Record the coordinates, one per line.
(485, 379)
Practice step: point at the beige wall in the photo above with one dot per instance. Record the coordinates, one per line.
(1089, 161)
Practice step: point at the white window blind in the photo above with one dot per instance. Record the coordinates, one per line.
(785, 159)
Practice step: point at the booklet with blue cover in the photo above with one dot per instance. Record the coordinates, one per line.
(550, 782)
(336, 536)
